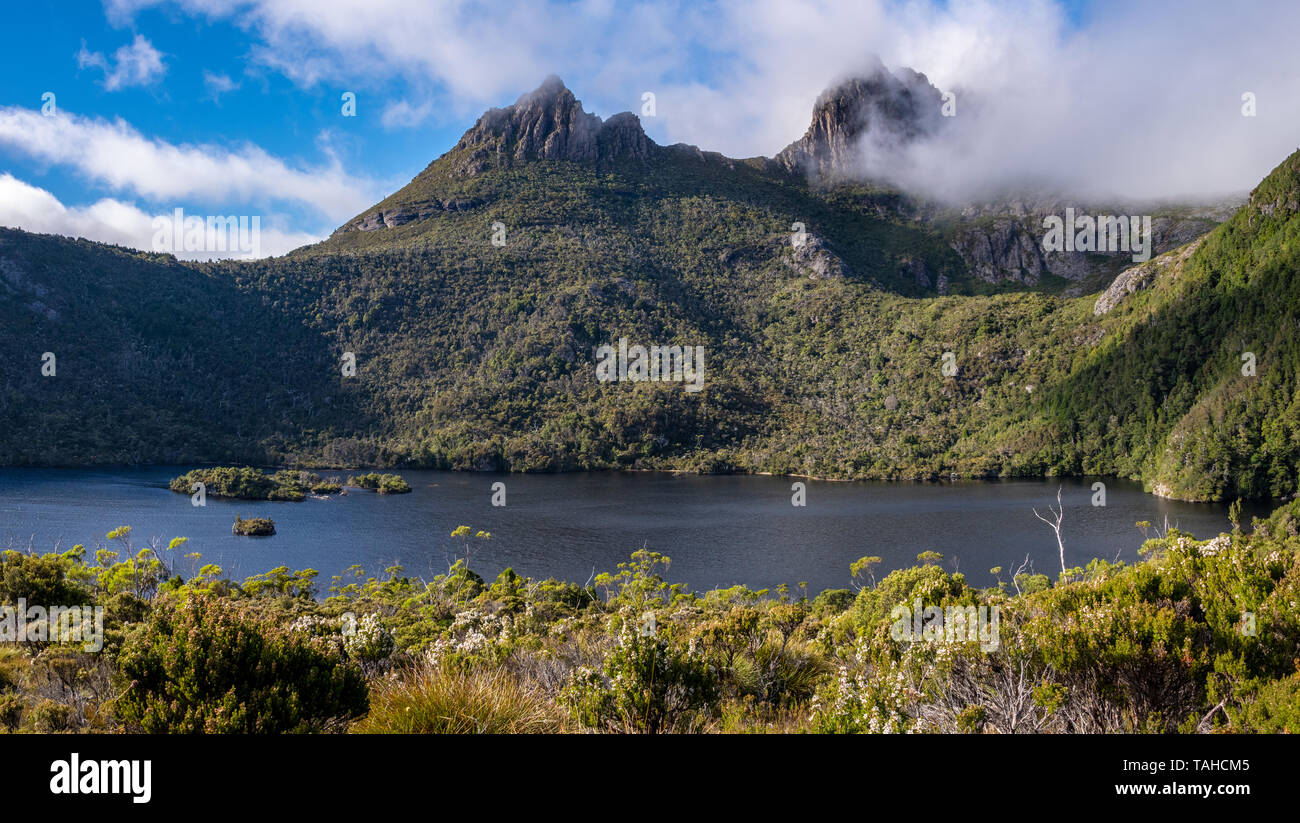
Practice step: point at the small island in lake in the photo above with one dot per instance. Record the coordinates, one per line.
(246, 483)
(253, 526)
(382, 483)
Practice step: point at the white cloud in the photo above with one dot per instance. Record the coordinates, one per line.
(138, 64)
(479, 53)
(119, 157)
(113, 221)
(218, 84)
(402, 114)
(1144, 101)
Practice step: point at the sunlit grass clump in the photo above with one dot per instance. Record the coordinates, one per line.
(437, 698)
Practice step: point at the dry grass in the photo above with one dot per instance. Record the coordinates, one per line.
(437, 699)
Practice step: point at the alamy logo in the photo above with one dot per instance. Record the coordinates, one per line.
(1102, 233)
(77, 776)
(954, 624)
(58, 624)
(681, 364)
(214, 234)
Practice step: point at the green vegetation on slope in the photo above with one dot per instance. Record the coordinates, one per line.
(154, 361)
(1166, 397)
(474, 356)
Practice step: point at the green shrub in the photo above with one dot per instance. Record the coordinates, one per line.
(203, 667)
(366, 640)
(866, 697)
(49, 716)
(832, 602)
(1031, 583)
(647, 684)
(1277, 708)
(929, 583)
(40, 580)
(11, 711)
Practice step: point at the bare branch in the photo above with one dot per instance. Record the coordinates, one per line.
(1059, 515)
(1017, 572)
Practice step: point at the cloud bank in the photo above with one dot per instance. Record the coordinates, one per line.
(115, 155)
(112, 221)
(1143, 100)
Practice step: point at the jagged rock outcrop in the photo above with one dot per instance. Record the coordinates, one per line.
(863, 124)
(1130, 280)
(1142, 276)
(862, 118)
(549, 123)
(389, 217)
(812, 258)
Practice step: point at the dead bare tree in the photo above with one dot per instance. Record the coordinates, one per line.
(1058, 514)
(1015, 575)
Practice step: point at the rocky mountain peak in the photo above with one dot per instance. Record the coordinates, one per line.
(549, 123)
(863, 118)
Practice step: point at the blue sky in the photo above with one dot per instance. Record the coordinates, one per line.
(233, 106)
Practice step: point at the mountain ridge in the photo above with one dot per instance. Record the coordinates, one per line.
(869, 114)
(817, 306)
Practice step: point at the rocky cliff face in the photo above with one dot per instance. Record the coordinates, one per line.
(549, 124)
(1005, 245)
(813, 259)
(386, 218)
(862, 120)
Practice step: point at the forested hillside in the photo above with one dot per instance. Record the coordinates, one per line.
(153, 361)
(825, 348)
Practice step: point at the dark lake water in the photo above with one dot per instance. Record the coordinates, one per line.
(718, 530)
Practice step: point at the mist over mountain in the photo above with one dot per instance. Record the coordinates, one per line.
(1141, 101)
(863, 126)
(858, 141)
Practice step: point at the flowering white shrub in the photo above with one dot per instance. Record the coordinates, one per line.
(369, 641)
(867, 697)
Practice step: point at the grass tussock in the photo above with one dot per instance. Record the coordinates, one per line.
(445, 699)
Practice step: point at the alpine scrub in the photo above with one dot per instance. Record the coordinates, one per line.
(1200, 636)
